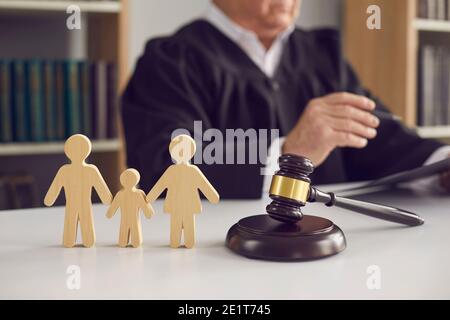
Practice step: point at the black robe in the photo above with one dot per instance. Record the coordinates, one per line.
(198, 74)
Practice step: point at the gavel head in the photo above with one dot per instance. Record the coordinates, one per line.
(290, 188)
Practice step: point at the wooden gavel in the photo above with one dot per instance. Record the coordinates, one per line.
(291, 190)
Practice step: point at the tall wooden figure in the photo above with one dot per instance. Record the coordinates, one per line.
(78, 178)
(183, 182)
(130, 201)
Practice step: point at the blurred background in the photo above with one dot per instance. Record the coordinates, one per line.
(55, 81)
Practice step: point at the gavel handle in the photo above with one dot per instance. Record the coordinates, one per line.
(367, 208)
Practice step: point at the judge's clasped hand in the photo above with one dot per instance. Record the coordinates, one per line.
(335, 120)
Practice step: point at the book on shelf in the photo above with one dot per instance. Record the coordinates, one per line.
(72, 98)
(434, 86)
(99, 71)
(441, 10)
(447, 10)
(19, 103)
(433, 9)
(112, 95)
(35, 79)
(85, 102)
(60, 115)
(6, 129)
(51, 100)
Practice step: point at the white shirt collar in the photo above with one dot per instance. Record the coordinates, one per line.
(266, 60)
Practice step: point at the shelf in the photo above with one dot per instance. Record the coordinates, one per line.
(434, 132)
(49, 6)
(20, 149)
(432, 25)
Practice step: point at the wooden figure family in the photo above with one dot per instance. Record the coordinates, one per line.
(182, 181)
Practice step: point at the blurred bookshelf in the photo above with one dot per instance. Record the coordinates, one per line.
(406, 63)
(105, 40)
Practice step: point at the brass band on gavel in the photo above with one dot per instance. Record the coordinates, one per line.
(290, 188)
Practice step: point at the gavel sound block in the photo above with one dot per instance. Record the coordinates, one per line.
(285, 234)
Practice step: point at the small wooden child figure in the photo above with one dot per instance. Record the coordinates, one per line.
(183, 182)
(78, 178)
(130, 200)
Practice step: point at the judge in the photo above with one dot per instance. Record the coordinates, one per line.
(245, 65)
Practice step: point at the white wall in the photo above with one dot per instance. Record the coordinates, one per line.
(151, 18)
(320, 13)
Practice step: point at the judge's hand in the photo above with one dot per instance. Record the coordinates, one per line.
(336, 120)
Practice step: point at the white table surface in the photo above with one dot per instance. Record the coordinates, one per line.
(414, 262)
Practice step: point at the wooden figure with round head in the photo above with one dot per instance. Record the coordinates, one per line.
(130, 201)
(78, 179)
(183, 181)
